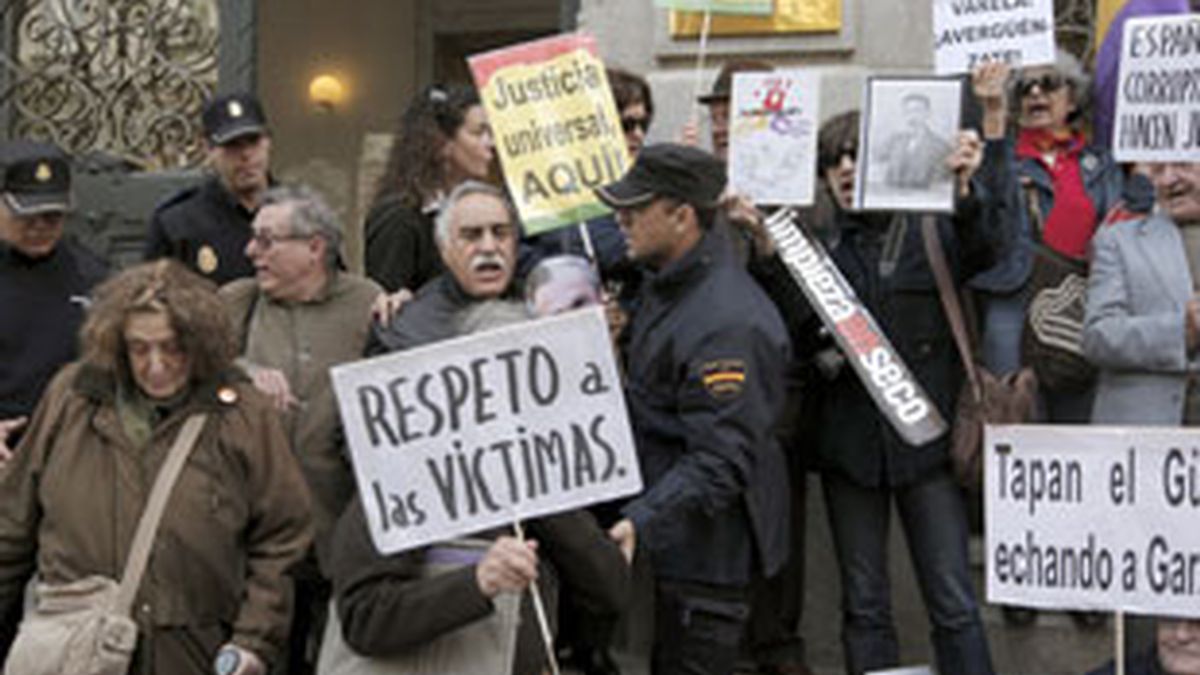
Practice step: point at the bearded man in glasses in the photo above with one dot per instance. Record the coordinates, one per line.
(297, 317)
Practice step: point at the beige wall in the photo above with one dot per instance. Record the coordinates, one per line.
(372, 48)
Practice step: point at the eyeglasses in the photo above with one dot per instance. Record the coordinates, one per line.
(629, 124)
(264, 240)
(1048, 83)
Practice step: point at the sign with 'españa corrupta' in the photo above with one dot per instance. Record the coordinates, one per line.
(556, 127)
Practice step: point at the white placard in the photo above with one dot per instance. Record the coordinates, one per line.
(970, 32)
(1158, 91)
(1094, 518)
(773, 136)
(475, 432)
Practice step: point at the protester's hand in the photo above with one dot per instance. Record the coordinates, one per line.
(616, 317)
(274, 384)
(989, 81)
(8, 428)
(248, 663)
(966, 158)
(690, 133)
(745, 216)
(388, 305)
(509, 566)
(1192, 324)
(626, 537)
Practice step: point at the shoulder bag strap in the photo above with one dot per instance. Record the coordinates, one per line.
(950, 301)
(164, 483)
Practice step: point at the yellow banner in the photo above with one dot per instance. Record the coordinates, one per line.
(790, 16)
(557, 131)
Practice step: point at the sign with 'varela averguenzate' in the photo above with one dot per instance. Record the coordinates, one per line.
(556, 127)
(476, 432)
(1093, 518)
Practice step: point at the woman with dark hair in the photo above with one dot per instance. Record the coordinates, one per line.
(444, 139)
(158, 352)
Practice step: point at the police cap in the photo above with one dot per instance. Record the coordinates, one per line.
(229, 117)
(668, 170)
(37, 177)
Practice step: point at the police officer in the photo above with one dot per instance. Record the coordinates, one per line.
(44, 279)
(705, 386)
(207, 226)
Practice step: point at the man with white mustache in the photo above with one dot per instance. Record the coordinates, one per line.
(476, 233)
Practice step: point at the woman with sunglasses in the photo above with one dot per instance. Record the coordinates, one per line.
(1057, 188)
(444, 139)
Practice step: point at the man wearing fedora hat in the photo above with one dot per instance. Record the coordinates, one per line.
(44, 279)
(704, 393)
(207, 226)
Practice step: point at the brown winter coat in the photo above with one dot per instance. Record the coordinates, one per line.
(237, 521)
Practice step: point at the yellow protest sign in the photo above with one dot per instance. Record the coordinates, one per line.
(557, 131)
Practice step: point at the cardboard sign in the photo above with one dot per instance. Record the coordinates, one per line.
(556, 127)
(476, 432)
(1158, 91)
(886, 378)
(970, 32)
(746, 7)
(773, 136)
(1093, 518)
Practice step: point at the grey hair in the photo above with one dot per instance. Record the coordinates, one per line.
(1078, 81)
(311, 216)
(444, 219)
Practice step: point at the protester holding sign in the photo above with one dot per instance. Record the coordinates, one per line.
(391, 605)
(865, 465)
(444, 139)
(705, 389)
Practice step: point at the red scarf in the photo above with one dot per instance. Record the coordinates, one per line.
(1072, 219)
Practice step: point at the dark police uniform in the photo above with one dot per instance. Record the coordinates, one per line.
(706, 358)
(43, 302)
(206, 228)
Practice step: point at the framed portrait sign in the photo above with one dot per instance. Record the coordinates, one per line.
(909, 125)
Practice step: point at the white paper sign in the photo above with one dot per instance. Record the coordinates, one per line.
(1158, 92)
(970, 32)
(473, 433)
(773, 136)
(1093, 518)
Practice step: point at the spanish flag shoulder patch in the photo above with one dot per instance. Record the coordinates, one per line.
(723, 378)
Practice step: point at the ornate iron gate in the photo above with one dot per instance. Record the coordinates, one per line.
(120, 84)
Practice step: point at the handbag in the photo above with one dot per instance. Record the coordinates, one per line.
(1052, 339)
(483, 647)
(85, 627)
(986, 398)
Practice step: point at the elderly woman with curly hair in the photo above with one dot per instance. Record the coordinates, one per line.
(444, 139)
(157, 349)
(1056, 188)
